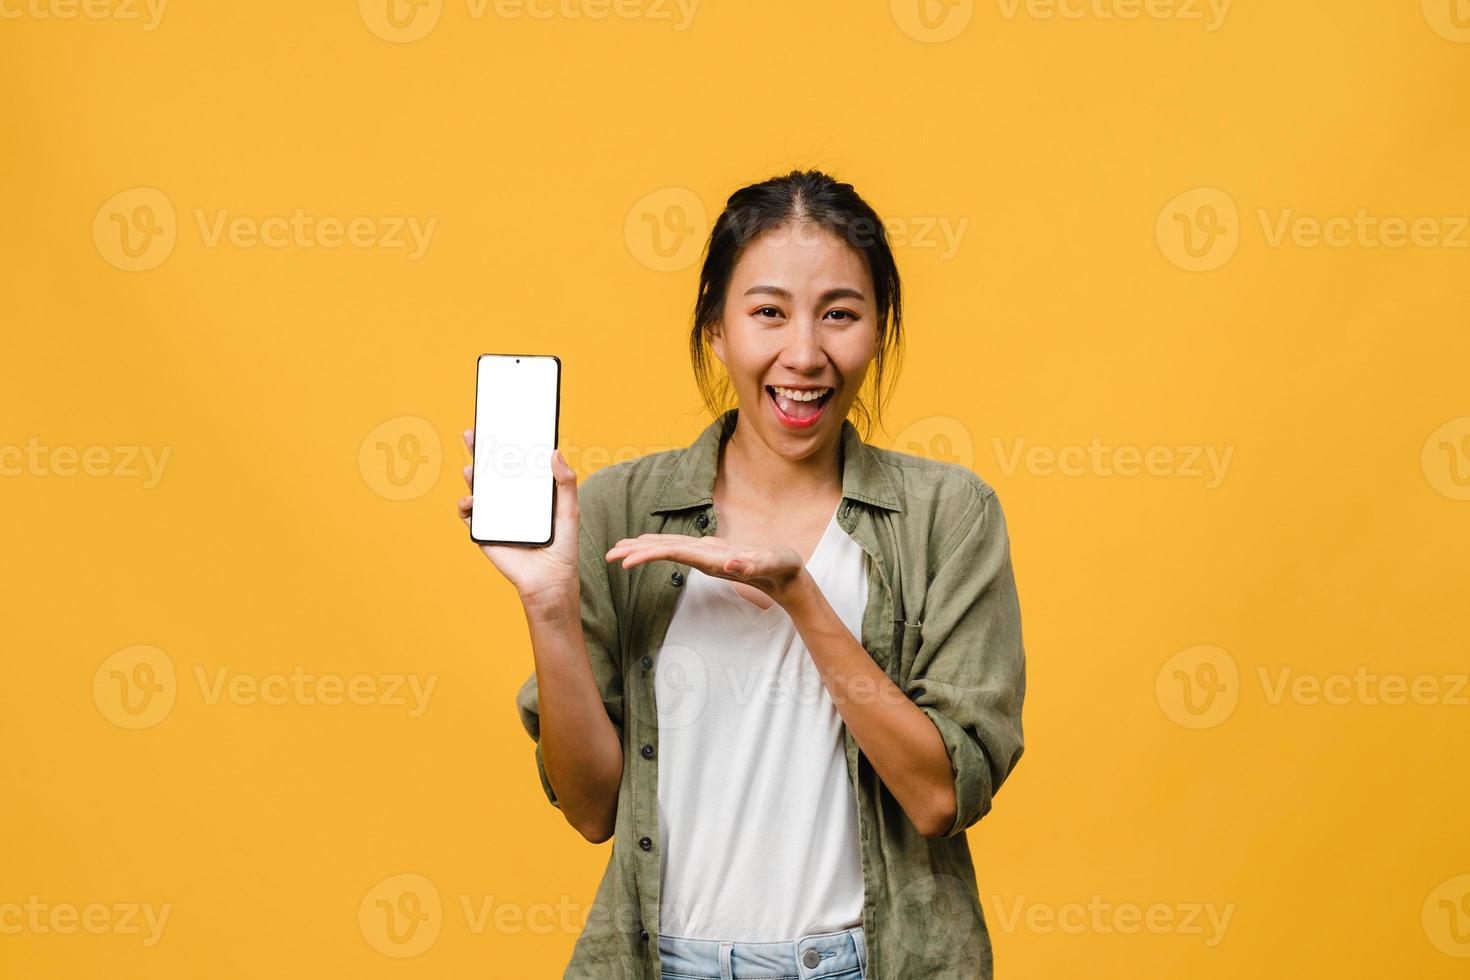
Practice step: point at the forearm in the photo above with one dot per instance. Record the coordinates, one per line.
(579, 744)
(903, 745)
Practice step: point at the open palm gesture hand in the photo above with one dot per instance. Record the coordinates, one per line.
(774, 569)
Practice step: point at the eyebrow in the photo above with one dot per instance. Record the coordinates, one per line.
(839, 292)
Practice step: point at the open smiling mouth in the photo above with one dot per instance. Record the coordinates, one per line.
(796, 408)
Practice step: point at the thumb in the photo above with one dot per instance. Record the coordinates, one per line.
(566, 484)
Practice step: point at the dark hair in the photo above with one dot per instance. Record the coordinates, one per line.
(798, 197)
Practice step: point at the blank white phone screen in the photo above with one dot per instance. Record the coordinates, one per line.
(515, 432)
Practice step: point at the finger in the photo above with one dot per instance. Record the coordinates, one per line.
(670, 538)
(643, 557)
(678, 541)
(469, 476)
(469, 439)
(561, 470)
(679, 553)
(637, 554)
(466, 505)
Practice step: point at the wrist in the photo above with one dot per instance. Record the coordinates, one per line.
(553, 602)
(799, 593)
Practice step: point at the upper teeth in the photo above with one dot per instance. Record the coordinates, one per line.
(798, 395)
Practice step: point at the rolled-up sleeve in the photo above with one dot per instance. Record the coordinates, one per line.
(969, 673)
(600, 627)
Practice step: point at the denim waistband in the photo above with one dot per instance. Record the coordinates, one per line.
(819, 954)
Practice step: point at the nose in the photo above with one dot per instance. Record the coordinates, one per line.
(803, 353)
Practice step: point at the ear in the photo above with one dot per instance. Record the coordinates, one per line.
(716, 334)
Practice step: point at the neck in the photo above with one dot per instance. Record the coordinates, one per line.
(756, 472)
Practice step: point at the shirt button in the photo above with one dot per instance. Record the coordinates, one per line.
(702, 521)
(646, 843)
(811, 958)
(647, 751)
(643, 934)
(677, 578)
(647, 661)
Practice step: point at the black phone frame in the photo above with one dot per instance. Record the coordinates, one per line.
(555, 444)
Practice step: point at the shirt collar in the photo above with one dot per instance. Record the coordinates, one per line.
(691, 482)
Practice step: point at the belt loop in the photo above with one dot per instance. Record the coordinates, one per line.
(726, 971)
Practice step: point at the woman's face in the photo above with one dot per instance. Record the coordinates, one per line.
(799, 314)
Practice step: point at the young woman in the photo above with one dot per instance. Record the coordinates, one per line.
(781, 666)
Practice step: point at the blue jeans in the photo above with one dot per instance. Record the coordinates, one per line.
(841, 955)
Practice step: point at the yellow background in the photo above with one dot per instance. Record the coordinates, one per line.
(546, 149)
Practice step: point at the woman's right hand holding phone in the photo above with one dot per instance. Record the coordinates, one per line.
(548, 574)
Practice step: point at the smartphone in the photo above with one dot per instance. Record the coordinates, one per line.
(517, 414)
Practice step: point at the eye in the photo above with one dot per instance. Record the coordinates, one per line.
(764, 310)
(845, 314)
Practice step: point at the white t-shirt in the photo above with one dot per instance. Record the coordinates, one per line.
(757, 816)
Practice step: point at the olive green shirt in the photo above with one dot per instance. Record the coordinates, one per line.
(942, 621)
